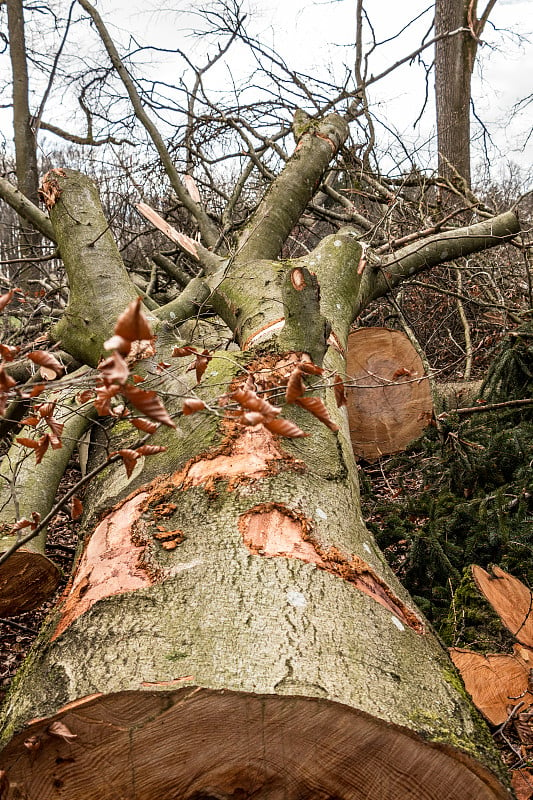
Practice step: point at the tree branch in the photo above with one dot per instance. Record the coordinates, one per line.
(100, 287)
(438, 249)
(88, 140)
(294, 187)
(26, 209)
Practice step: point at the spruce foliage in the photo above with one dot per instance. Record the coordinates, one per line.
(473, 505)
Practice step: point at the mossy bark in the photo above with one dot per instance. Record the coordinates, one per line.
(100, 287)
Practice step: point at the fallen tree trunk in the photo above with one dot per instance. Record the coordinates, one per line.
(231, 629)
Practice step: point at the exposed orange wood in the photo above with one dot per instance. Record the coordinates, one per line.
(511, 600)
(110, 564)
(388, 397)
(496, 682)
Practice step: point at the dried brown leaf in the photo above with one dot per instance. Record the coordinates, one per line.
(295, 386)
(103, 398)
(150, 449)
(400, 372)
(31, 421)
(283, 427)
(46, 409)
(200, 365)
(310, 368)
(129, 458)
(55, 441)
(250, 400)
(55, 426)
(20, 524)
(45, 359)
(84, 396)
(76, 508)
(5, 299)
(50, 191)
(181, 352)
(191, 405)
(9, 353)
(316, 407)
(148, 403)
(132, 324)
(145, 425)
(118, 343)
(340, 393)
(26, 442)
(39, 445)
(114, 369)
(6, 381)
(59, 728)
(252, 418)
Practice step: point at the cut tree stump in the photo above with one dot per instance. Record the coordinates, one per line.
(198, 743)
(389, 397)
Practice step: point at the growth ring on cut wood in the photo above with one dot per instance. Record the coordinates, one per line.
(496, 682)
(27, 579)
(388, 396)
(194, 742)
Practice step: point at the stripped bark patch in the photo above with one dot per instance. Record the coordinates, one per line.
(252, 455)
(271, 529)
(264, 332)
(268, 530)
(110, 564)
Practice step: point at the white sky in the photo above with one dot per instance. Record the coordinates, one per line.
(313, 36)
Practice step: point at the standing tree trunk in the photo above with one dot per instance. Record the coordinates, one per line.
(454, 63)
(231, 629)
(25, 142)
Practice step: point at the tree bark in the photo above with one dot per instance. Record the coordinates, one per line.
(454, 59)
(231, 629)
(25, 143)
(454, 63)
